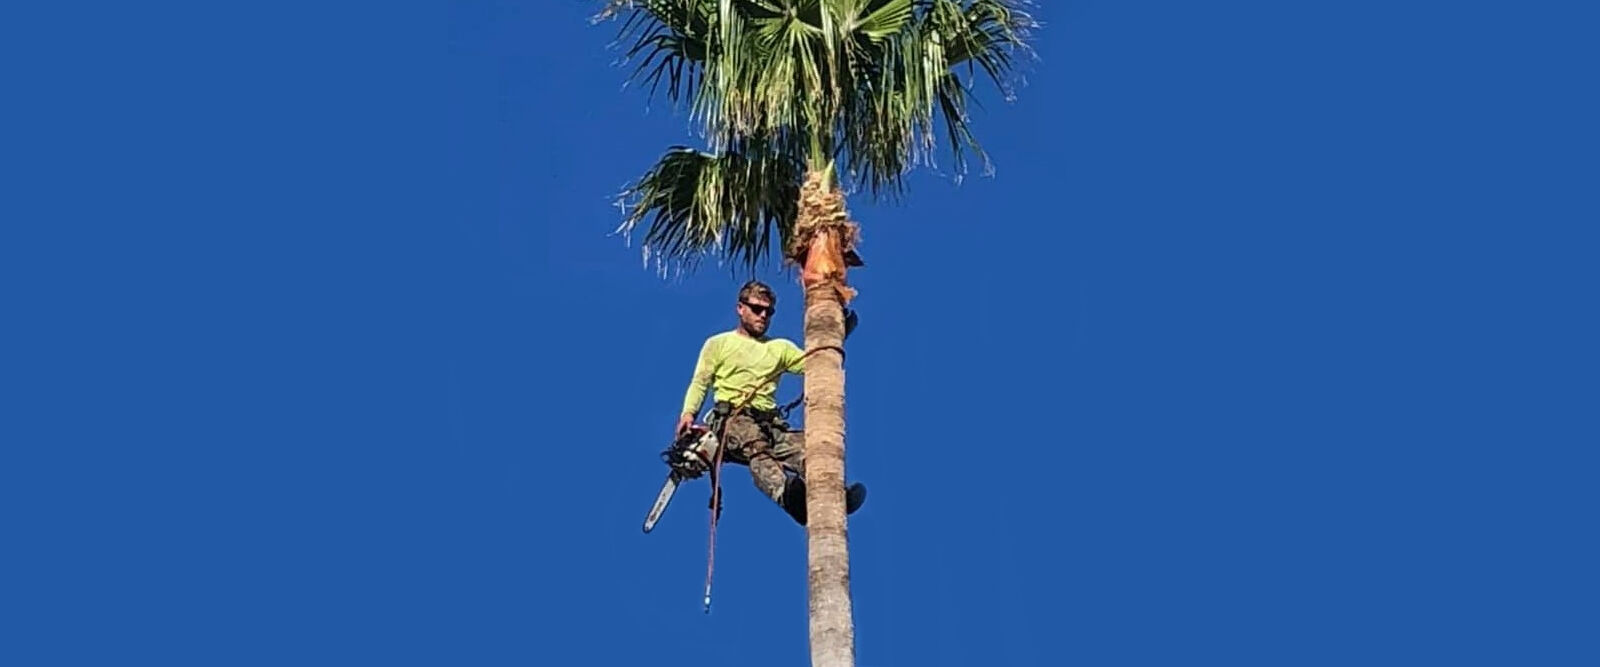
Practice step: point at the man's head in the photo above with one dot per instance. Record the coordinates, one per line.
(755, 307)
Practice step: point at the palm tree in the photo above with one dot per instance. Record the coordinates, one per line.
(793, 96)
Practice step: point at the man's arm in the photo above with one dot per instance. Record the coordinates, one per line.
(700, 380)
(794, 360)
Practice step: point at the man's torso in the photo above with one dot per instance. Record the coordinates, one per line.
(742, 362)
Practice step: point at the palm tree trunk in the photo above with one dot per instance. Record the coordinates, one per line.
(828, 560)
(823, 234)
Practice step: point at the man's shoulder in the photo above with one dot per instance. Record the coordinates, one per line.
(721, 339)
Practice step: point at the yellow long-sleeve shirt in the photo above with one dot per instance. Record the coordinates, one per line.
(731, 363)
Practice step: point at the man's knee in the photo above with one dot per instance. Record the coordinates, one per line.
(768, 475)
(791, 449)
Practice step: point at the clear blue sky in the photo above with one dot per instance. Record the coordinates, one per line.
(1269, 343)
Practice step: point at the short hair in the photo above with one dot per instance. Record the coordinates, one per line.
(758, 288)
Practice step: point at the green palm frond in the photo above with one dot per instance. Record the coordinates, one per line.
(862, 79)
(671, 40)
(747, 67)
(769, 72)
(738, 204)
(881, 19)
(989, 33)
(906, 71)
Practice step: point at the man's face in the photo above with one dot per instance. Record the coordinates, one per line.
(755, 313)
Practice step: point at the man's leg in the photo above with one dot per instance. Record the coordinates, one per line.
(776, 467)
(768, 471)
(790, 453)
(748, 443)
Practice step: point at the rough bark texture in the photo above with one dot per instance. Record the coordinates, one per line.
(828, 235)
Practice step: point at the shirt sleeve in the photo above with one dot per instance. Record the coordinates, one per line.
(794, 360)
(700, 380)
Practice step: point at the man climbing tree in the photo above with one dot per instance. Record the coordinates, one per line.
(742, 367)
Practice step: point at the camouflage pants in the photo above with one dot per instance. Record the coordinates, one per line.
(771, 452)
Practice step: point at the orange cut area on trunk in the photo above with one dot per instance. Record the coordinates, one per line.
(825, 262)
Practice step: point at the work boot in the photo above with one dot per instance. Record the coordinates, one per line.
(854, 496)
(794, 499)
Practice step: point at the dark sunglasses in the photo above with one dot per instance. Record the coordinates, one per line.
(757, 309)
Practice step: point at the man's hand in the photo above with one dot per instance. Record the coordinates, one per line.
(684, 423)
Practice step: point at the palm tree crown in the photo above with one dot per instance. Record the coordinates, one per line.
(783, 87)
